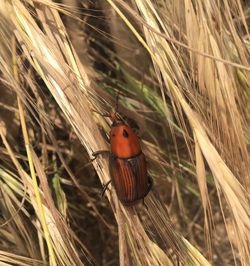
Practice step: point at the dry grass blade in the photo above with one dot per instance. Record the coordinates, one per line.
(62, 249)
(179, 43)
(7, 258)
(20, 240)
(70, 91)
(31, 165)
(201, 178)
(57, 64)
(63, 246)
(59, 225)
(226, 182)
(196, 84)
(165, 57)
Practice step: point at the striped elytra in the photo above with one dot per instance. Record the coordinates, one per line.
(127, 164)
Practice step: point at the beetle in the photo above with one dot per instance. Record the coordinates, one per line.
(128, 167)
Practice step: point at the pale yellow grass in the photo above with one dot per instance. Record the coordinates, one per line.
(217, 123)
(52, 56)
(203, 91)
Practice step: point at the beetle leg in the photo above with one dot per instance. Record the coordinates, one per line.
(105, 188)
(97, 153)
(150, 183)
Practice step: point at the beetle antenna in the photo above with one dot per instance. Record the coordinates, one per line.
(117, 100)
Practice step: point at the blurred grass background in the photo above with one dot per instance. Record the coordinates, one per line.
(181, 69)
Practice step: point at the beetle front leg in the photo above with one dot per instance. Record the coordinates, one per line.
(97, 153)
(105, 187)
(150, 182)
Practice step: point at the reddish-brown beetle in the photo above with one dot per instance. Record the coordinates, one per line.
(128, 166)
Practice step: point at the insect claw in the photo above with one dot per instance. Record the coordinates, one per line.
(97, 153)
(105, 187)
(150, 183)
(92, 159)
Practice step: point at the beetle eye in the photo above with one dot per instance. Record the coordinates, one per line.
(125, 133)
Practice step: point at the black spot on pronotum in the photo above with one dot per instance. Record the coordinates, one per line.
(113, 135)
(125, 133)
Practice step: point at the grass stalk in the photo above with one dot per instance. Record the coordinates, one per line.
(31, 165)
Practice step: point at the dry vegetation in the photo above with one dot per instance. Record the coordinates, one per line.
(181, 69)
